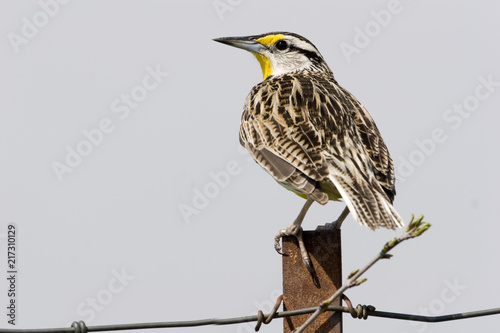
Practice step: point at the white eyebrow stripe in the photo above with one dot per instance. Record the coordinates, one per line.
(303, 45)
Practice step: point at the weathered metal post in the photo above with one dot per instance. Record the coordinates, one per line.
(300, 290)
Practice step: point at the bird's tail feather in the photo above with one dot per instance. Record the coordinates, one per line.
(367, 203)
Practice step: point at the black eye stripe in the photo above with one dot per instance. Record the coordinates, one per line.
(310, 54)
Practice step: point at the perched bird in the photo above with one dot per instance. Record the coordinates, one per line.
(313, 136)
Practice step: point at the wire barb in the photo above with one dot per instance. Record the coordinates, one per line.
(361, 311)
(79, 327)
(270, 316)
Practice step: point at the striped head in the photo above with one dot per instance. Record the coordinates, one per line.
(280, 53)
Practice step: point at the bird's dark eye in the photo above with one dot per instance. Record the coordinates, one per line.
(281, 45)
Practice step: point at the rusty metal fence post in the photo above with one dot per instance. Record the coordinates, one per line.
(300, 290)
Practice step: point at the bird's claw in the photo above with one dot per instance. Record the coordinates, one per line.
(277, 242)
(293, 230)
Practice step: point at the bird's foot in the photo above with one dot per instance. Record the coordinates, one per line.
(335, 224)
(294, 230)
(328, 226)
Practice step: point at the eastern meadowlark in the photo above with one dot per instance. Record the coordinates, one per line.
(313, 136)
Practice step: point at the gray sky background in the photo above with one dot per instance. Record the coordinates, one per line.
(109, 226)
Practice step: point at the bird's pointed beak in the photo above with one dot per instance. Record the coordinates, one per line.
(245, 43)
(250, 44)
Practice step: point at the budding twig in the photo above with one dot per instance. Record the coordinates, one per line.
(415, 229)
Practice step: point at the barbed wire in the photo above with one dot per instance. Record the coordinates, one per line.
(415, 228)
(361, 311)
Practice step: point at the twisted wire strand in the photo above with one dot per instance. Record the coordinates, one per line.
(80, 327)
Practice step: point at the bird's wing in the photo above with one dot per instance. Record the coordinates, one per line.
(282, 140)
(369, 134)
(353, 146)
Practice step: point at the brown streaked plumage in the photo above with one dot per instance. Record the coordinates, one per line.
(298, 137)
(312, 135)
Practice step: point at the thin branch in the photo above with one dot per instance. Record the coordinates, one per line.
(415, 229)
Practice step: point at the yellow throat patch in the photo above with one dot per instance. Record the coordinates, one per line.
(265, 64)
